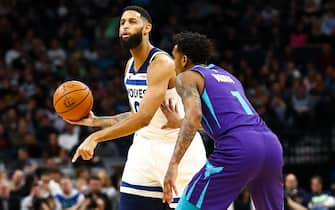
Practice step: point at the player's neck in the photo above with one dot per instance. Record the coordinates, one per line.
(141, 52)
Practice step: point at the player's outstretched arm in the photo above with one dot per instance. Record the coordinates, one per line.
(103, 121)
(188, 89)
(160, 71)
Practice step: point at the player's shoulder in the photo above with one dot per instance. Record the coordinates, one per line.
(189, 75)
(162, 58)
(189, 78)
(163, 62)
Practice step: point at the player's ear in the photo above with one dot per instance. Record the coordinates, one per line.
(147, 28)
(184, 60)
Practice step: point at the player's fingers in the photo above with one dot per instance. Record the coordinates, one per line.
(69, 121)
(75, 156)
(85, 154)
(167, 105)
(163, 108)
(167, 192)
(175, 190)
(91, 114)
(171, 105)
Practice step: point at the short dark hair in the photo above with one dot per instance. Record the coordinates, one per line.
(144, 13)
(194, 45)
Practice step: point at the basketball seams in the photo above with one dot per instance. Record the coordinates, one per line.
(88, 93)
(72, 100)
(55, 103)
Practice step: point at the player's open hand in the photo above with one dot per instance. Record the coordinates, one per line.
(88, 121)
(170, 110)
(170, 184)
(86, 149)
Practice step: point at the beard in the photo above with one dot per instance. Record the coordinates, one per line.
(132, 41)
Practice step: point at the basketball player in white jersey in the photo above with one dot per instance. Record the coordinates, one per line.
(149, 78)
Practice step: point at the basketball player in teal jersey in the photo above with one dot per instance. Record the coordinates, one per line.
(149, 78)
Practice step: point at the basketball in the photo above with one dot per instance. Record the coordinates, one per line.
(73, 100)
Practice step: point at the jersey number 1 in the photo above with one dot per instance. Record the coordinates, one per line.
(243, 103)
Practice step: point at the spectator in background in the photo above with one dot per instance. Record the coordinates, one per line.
(82, 185)
(64, 163)
(43, 127)
(108, 188)
(48, 187)
(328, 23)
(56, 54)
(31, 145)
(302, 107)
(298, 38)
(35, 200)
(24, 162)
(290, 204)
(319, 200)
(6, 201)
(293, 191)
(69, 138)
(28, 202)
(95, 198)
(19, 188)
(21, 130)
(68, 197)
(83, 172)
(53, 147)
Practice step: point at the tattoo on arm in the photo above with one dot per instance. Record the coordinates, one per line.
(185, 137)
(108, 121)
(188, 90)
(188, 129)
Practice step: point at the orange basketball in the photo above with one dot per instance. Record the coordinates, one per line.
(73, 100)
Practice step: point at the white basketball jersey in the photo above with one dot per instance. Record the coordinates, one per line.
(136, 84)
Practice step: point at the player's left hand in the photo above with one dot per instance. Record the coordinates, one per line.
(86, 149)
(170, 183)
(170, 110)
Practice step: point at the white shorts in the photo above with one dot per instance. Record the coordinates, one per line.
(147, 163)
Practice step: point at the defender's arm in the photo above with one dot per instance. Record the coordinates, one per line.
(188, 85)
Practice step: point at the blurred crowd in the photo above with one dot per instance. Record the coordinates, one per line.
(282, 51)
(317, 196)
(48, 189)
